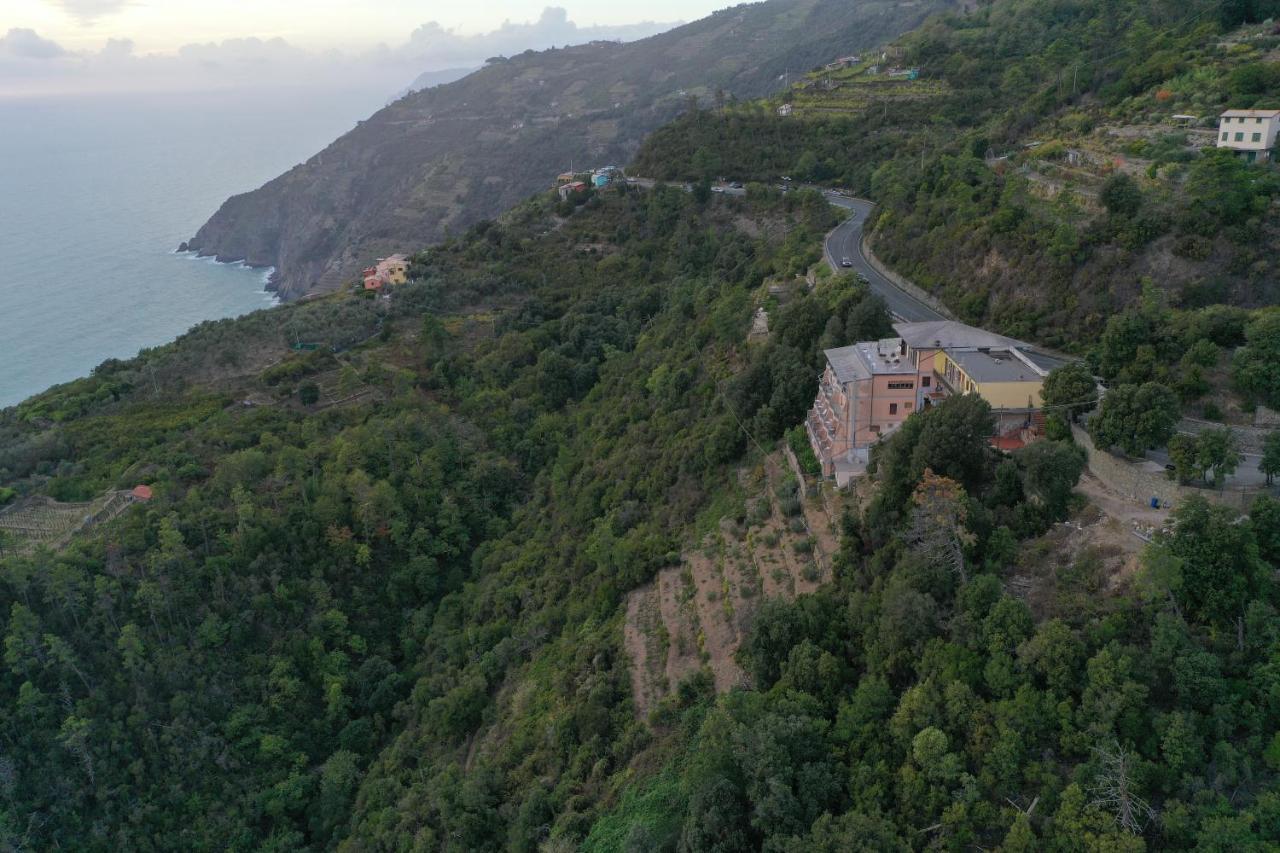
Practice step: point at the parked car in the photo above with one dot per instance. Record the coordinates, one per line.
(737, 185)
(846, 262)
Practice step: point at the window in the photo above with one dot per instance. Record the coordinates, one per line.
(906, 407)
(893, 408)
(1257, 137)
(1257, 121)
(1225, 135)
(924, 381)
(875, 428)
(1239, 137)
(901, 386)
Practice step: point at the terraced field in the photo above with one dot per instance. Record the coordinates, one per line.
(44, 521)
(859, 95)
(696, 614)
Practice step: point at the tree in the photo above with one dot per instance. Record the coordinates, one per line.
(348, 381)
(1071, 388)
(1118, 346)
(308, 393)
(954, 440)
(1253, 369)
(1051, 470)
(1136, 418)
(1220, 569)
(1113, 790)
(806, 166)
(1270, 464)
(1120, 195)
(1182, 455)
(1217, 453)
(1264, 516)
(938, 523)
(868, 319)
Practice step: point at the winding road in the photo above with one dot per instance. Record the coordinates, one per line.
(845, 241)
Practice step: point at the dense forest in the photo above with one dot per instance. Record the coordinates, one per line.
(395, 622)
(1048, 175)
(376, 600)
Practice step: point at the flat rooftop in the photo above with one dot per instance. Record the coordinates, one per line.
(994, 366)
(869, 358)
(945, 334)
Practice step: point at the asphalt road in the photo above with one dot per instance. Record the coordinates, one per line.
(846, 242)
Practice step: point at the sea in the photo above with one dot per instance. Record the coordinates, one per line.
(97, 192)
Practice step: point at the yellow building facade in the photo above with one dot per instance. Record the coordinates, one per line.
(999, 376)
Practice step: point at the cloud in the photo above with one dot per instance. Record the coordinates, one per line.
(265, 63)
(25, 44)
(88, 11)
(436, 45)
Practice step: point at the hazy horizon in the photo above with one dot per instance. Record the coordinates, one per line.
(61, 47)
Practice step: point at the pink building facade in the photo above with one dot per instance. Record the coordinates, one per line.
(868, 389)
(865, 393)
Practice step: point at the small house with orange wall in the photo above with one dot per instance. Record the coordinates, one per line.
(392, 270)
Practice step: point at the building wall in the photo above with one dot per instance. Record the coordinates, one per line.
(880, 409)
(1001, 395)
(1011, 395)
(1232, 126)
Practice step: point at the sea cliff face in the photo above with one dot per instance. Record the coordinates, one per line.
(436, 161)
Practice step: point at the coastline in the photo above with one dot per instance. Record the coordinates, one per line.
(268, 273)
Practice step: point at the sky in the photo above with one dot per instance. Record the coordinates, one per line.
(54, 47)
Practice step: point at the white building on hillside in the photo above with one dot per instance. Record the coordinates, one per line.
(1250, 132)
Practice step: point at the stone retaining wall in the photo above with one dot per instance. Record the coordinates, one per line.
(1132, 480)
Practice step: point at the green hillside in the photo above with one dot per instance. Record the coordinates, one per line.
(515, 558)
(1049, 158)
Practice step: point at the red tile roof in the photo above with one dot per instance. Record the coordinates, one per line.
(142, 493)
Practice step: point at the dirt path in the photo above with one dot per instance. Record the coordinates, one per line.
(1121, 508)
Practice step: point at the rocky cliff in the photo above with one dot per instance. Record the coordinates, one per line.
(439, 160)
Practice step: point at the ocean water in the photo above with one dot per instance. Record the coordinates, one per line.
(96, 193)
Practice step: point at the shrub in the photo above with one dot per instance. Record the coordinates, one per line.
(1193, 247)
(798, 441)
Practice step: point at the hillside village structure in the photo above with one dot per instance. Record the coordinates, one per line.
(392, 270)
(1252, 133)
(566, 190)
(868, 389)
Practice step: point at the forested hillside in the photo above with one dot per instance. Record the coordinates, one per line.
(377, 599)
(377, 594)
(1065, 154)
(322, 589)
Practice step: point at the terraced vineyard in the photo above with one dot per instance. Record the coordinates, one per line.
(697, 613)
(44, 521)
(823, 94)
(857, 88)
